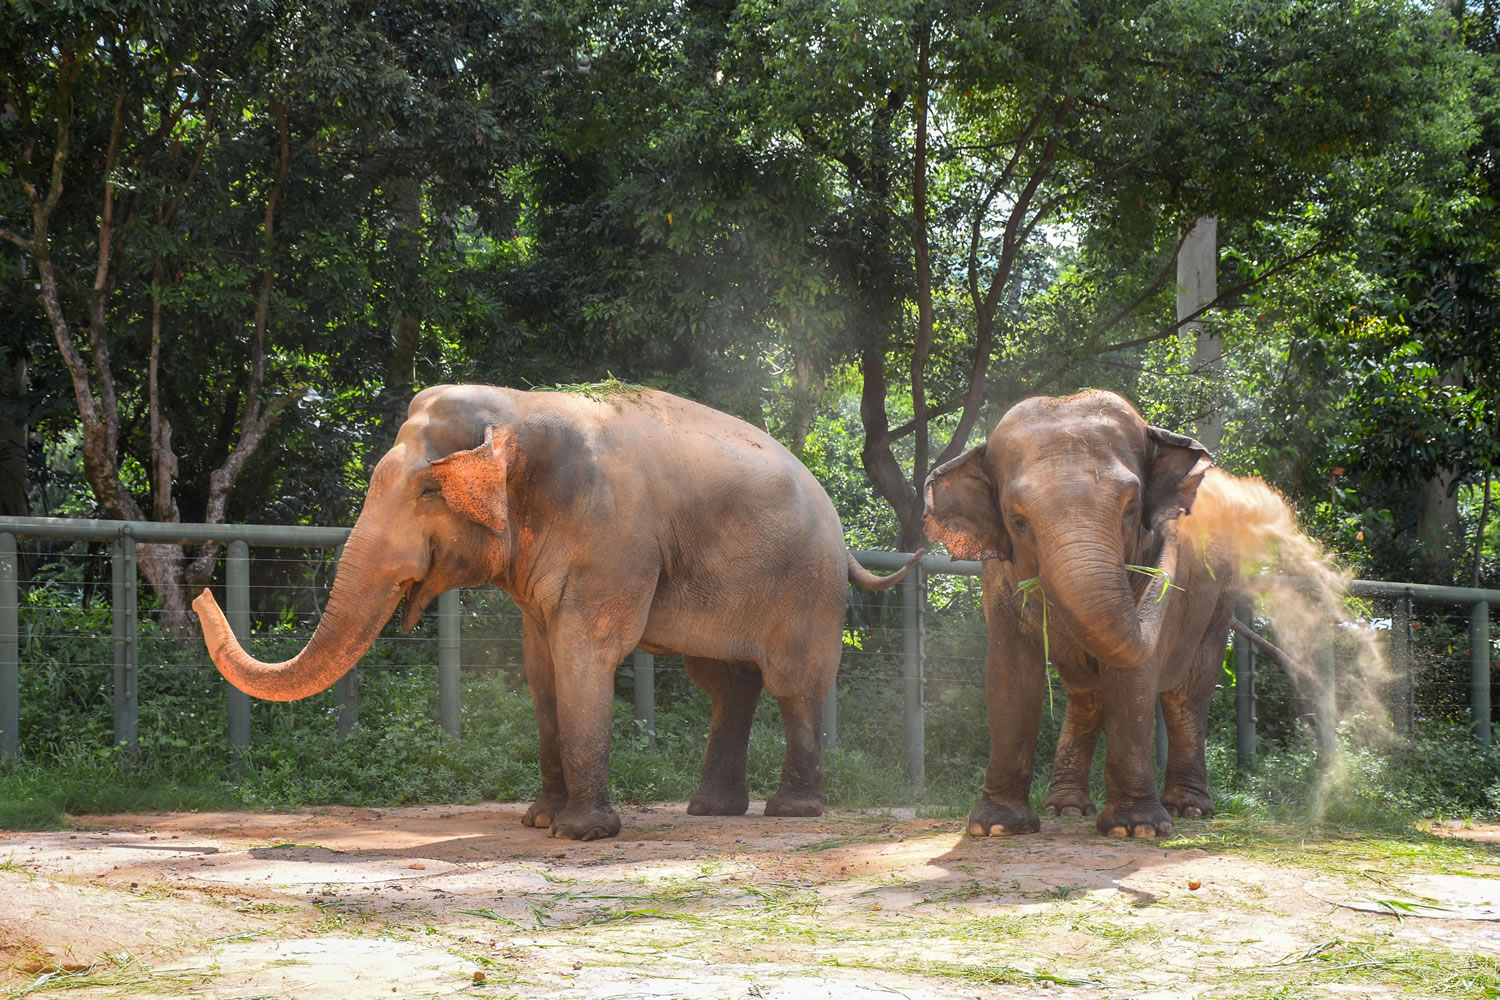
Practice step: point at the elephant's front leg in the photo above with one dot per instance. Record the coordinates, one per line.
(543, 685)
(1068, 791)
(1014, 678)
(1132, 807)
(583, 668)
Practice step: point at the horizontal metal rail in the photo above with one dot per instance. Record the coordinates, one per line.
(241, 536)
(170, 532)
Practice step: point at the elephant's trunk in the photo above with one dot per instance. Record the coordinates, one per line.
(358, 609)
(1086, 578)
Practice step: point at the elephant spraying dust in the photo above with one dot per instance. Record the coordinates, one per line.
(615, 519)
(1112, 549)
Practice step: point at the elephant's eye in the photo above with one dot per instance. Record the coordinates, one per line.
(431, 490)
(1019, 524)
(1132, 511)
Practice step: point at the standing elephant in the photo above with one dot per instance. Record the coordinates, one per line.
(1081, 512)
(629, 518)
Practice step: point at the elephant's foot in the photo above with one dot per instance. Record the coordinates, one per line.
(578, 823)
(719, 802)
(1135, 819)
(782, 804)
(1067, 801)
(543, 809)
(993, 819)
(1191, 803)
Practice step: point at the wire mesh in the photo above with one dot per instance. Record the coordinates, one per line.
(65, 632)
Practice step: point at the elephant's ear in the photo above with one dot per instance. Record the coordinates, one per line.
(474, 482)
(961, 509)
(1176, 466)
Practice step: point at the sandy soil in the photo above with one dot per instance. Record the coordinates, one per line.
(463, 900)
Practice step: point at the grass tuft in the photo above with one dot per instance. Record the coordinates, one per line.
(599, 392)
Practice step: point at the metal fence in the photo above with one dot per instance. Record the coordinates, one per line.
(123, 536)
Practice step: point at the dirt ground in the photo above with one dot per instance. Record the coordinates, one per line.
(464, 901)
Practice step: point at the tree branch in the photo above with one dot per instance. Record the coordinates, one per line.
(1216, 302)
(982, 211)
(896, 433)
(1010, 250)
(98, 314)
(253, 423)
(922, 264)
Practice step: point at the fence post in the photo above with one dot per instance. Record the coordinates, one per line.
(1405, 694)
(643, 669)
(346, 688)
(1244, 689)
(831, 715)
(1479, 671)
(237, 611)
(10, 650)
(913, 597)
(449, 697)
(123, 628)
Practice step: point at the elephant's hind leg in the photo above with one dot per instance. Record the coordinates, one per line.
(734, 689)
(1068, 790)
(1185, 712)
(800, 693)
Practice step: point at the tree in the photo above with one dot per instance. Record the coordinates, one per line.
(939, 166)
(170, 172)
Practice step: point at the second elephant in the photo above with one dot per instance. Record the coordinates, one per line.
(1081, 512)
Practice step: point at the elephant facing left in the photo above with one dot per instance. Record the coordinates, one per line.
(615, 521)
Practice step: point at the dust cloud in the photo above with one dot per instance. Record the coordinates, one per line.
(1301, 597)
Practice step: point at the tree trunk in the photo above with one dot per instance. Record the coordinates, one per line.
(406, 324)
(808, 384)
(1438, 528)
(13, 433)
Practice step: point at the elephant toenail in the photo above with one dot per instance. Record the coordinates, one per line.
(1118, 831)
(1146, 831)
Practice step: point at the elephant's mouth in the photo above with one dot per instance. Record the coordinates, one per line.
(413, 604)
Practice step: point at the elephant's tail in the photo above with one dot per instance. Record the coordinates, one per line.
(864, 578)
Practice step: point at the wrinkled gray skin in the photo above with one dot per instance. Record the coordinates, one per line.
(633, 520)
(1071, 491)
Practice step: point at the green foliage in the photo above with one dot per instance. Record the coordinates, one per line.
(1437, 774)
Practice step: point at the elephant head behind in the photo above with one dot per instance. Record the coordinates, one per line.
(1074, 490)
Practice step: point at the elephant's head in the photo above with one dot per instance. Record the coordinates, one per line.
(1073, 490)
(437, 516)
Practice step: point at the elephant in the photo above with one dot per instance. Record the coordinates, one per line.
(615, 519)
(1081, 513)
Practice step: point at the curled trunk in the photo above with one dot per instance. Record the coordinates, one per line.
(358, 608)
(1088, 581)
